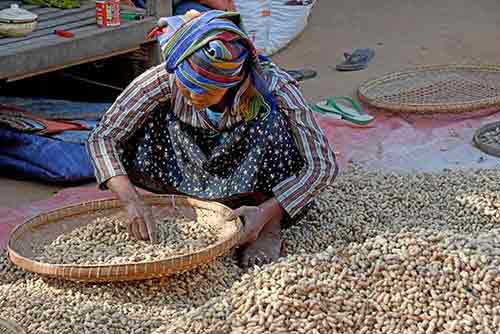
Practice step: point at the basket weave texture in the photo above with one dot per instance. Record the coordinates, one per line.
(432, 89)
(46, 227)
(491, 149)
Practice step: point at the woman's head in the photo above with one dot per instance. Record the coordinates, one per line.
(209, 54)
(209, 98)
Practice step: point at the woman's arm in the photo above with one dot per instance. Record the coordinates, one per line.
(123, 119)
(320, 166)
(141, 225)
(119, 123)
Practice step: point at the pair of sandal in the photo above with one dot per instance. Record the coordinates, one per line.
(343, 107)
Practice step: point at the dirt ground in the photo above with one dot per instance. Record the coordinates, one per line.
(403, 34)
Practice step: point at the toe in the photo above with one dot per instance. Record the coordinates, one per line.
(244, 260)
(260, 261)
(251, 261)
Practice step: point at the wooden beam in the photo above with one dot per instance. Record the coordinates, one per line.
(47, 53)
(45, 28)
(56, 12)
(49, 31)
(82, 61)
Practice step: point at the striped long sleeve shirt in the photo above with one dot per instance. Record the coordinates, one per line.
(156, 87)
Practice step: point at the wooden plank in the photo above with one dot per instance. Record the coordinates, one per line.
(65, 12)
(27, 6)
(51, 51)
(50, 31)
(63, 19)
(47, 27)
(42, 10)
(66, 65)
(39, 10)
(49, 39)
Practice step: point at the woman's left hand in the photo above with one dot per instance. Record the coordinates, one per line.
(254, 220)
(255, 217)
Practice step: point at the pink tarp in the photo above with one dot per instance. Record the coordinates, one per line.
(400, 143)
(408, 142)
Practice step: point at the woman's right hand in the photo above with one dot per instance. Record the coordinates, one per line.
(141, 224)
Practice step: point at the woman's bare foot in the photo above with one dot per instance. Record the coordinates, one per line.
(266, 249)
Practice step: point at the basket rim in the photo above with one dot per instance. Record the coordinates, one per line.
(448, 106)
(12, 251)
(486, 148)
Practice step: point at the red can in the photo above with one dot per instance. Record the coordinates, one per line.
(107, 13)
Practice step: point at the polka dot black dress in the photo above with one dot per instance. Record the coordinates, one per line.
(169, 156)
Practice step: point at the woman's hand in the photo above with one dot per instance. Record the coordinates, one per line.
(255, 217)
(141, 224)
(254, 220)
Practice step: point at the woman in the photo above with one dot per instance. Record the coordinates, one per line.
(214, 122)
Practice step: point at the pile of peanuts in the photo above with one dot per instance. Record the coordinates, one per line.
(105, 241)
(381, 253)
(411, 282)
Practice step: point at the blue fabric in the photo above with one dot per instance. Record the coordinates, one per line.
(215, 117)
(57, 109)
(43, 158)
(77, 136)
(139, 3)
(186, 6)
(189, 36)
(185, 38)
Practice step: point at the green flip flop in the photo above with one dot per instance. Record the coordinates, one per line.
(323, 112)
(351, 111)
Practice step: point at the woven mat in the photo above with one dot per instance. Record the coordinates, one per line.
(45, 227)
(487, 139)
(441, 88)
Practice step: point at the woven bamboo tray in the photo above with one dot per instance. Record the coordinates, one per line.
(9, 327)
(46, 227)
(432, 89)
(478, 139)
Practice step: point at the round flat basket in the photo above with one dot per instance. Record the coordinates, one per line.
(432, 89)
(9, 327)
(28, 238)
(487, 139)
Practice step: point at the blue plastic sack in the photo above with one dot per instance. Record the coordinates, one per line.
(43, 158)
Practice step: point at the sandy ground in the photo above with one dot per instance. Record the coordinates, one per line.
(402, 32)
(14, 193)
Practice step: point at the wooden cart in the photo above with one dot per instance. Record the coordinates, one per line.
(43, 51)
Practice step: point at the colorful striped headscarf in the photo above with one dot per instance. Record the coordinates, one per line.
(211, 51)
